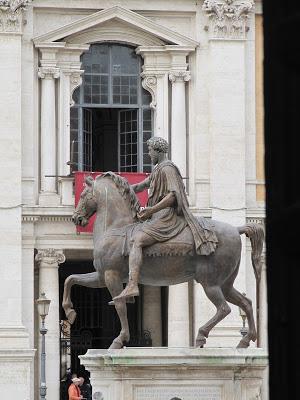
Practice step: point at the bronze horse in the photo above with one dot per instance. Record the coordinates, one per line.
(116, 205)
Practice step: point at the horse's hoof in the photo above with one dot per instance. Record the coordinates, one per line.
(113, 302)
(244, 344)
(71, 315)
(200, 342)
(116, 344)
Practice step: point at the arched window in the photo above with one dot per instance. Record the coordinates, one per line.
(111, 119)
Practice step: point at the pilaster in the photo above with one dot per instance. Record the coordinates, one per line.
(227, 35)
(16, 356)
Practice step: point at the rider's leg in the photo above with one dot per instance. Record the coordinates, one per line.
(140, 240)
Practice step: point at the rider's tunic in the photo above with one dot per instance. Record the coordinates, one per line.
(167, 223)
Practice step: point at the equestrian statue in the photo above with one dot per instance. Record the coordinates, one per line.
(162, 244)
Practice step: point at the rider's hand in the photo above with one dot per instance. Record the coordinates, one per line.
(145, 213)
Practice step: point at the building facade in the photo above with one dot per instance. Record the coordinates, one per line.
(84, 84)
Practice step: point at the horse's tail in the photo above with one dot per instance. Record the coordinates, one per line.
(256, 234)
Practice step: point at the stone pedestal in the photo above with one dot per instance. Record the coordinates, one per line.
(183, 373)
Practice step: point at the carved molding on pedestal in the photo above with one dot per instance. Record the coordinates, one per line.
(11, 12)
(179, 76)
(50, 256)
(228, 18)
(48, 72)
(149, 83)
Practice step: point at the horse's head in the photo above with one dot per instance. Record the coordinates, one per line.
(87, 205)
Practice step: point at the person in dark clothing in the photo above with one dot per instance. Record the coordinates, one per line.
(85, 388)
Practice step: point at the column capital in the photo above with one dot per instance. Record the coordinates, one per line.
(228, 18)
(48, 72)
(179, 76)
(11, 13)
(149, 83)
(51, 257)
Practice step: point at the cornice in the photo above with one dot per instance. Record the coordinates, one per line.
(47, 214)
(132, 19)
(228, 18)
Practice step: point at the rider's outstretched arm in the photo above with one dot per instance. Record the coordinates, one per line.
(139, 187)
(168, 201)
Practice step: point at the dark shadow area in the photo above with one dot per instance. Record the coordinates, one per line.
(281, 87)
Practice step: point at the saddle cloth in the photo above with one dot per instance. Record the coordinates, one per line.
(180, 245)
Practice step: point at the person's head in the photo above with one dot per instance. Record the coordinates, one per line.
(76, 381)
(74, 375)
(158, 148)
(81, 378)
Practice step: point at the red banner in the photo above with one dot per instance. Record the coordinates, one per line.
(132, 177)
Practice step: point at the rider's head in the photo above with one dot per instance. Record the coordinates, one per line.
(158, 147)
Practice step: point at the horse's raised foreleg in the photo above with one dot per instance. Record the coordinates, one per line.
(215, 295)
(235, 297)
(90, 280)
(115, 287)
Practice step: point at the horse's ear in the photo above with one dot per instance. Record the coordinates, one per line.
(89, 181)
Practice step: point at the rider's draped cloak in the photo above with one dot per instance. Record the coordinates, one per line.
(167, 223)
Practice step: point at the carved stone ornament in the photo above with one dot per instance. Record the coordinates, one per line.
(228, 17)
(48, 72)
(75, 82)
(179, 76)
(50, 257)
(149, 83)
(11, 15)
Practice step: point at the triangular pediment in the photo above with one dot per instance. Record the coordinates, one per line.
(115, 23)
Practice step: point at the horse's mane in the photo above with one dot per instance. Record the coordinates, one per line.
(125, 191)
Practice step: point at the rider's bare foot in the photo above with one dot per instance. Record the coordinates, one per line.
(129, 291)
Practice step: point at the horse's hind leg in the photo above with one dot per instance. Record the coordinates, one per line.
(115, 287)
(90, 280)
(235, 297)
(215, 295)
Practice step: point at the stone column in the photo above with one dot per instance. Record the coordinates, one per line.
(16, 354)
(178, 308)
(178, 119)
(49, 260)
(48, 74)
(152, 313)
(227, 129)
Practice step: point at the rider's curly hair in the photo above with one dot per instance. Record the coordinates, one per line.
(158, 144)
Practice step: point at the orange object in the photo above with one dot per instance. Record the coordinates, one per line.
(74, 392)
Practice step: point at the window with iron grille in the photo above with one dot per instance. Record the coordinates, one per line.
(112, 80)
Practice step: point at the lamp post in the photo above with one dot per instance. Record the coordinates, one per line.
(43, 305)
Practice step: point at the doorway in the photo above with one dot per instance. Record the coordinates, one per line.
(96, 324)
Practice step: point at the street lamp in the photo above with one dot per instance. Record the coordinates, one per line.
(43, 305)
